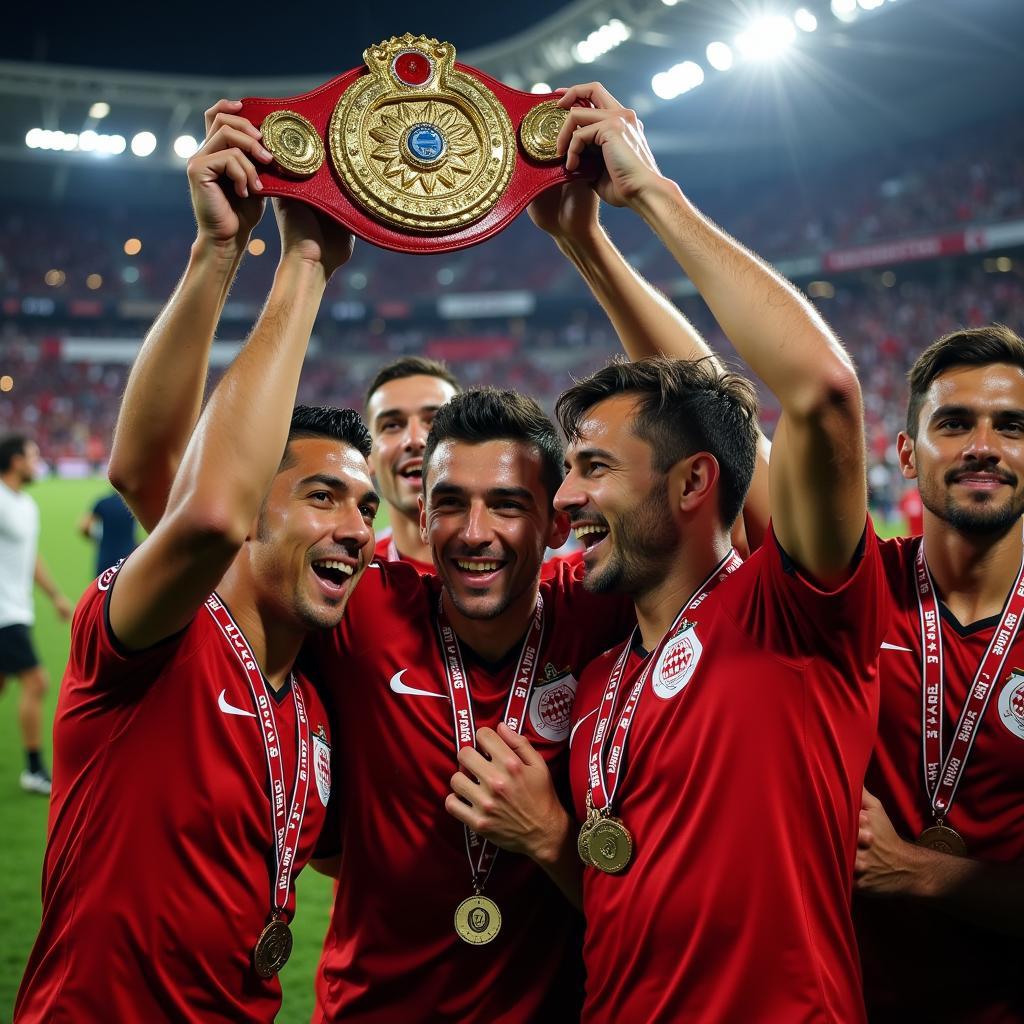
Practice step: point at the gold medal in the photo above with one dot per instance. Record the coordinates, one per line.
(477, 920)
(945, 840)
(273, 948)
(583, 840)
(609, 845)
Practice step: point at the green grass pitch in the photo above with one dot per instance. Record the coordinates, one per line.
(23, 816)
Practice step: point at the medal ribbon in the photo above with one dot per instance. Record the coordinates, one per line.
(942, 777)
(604, 772)
(286, 822)
(462, 712)
(393, 555)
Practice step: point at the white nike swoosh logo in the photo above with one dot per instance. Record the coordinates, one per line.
(895, 647)
(397, 686)
(230, 709)
(579, 723)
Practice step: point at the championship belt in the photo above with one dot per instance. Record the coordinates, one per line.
(412, 152)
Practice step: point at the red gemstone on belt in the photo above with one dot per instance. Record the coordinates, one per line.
(412, 68)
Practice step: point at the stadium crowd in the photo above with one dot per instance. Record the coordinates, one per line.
(973, 179)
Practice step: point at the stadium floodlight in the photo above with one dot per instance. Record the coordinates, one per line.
(870, 5)
(539, 87)
(804, 20)
(766, 37)
(844, 10)
(185, 146)
(613, 33)
(69, 142)
(670, 3)
(719, 56)
(143, 143)
(99, 110)
(679, 78)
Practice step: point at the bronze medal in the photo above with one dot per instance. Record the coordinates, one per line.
(609, 845)
(273, 948)
(944, 839)
(477, 920)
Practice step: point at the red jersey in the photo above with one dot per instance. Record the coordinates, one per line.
(921, 963)
(912, 509)
(391, 952)
(157, 876)
(741, 786)
(386, 551)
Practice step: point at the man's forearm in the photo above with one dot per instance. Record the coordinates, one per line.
(986, 894)
(774, 328)
(253, 403)
(45, 581)
(163, 398)
(646, 322)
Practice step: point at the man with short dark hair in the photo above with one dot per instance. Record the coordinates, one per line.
(940, 869)
(401, 403)
(717, 758)
(20, 566)
(440, 661)
(192, 765)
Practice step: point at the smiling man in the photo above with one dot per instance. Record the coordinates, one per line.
(191, 765)
(717, 757)
(429, 923)
(401, 403)
(940, 870)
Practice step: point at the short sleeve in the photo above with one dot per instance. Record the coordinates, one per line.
(794, 618)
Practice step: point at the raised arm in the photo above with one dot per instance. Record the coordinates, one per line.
(165, 387)
(236, 448)
(646, 322)
(817, 469)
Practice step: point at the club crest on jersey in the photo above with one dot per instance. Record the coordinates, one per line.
(322, 764)
(551, 703)
(677, 661)
(1011, 703)
(107, 576)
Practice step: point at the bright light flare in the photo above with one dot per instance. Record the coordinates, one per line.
(766, 38)
(679, 78)
(99, 110)
(185, 146)
(719, 56)
(804, 20)
(540, 87)
(143, 144)
(844, 10)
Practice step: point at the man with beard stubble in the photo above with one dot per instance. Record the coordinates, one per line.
(940, 868)
(748, 692)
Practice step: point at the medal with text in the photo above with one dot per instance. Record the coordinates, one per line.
(274, 945)
(477, 918)
(942, 776)
(604, 841)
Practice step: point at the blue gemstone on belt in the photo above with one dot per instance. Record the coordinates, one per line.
(425, 142)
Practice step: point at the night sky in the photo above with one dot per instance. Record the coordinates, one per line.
(246, 39)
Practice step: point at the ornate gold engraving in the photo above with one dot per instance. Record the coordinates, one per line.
(296, 146)
(428, 157)
(539, 130)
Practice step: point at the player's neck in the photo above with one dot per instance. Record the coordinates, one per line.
(12, 480)
(657, 608)
(973, 573)
(405, 531)
(274, 643)
(492, 639)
